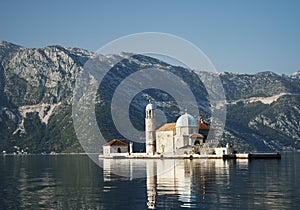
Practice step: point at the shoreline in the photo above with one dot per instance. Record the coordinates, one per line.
(276, 155)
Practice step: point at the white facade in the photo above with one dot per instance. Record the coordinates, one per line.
(224, 150)
(172, 137)
(165, 142)
(115, 146)
(107, 150)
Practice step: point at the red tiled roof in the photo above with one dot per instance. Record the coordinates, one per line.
(172, 126)
(203, 125)
(197, 135)
(116, 142)
(167, 127)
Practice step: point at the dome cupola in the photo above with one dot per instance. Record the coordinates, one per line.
(186, 120)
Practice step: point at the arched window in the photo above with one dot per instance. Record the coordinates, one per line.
(119, 150)
(197, 142)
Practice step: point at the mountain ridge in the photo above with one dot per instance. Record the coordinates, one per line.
(36, 91)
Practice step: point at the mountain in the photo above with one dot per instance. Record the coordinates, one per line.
(296, 75)
(36, 87)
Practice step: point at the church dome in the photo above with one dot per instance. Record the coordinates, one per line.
(186, 120)
(150, 106)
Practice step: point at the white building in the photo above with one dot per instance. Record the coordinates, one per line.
(186, 136)
(115, 146)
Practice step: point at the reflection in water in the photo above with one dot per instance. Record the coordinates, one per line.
(230, 184)
(183, 181)
(75, 182)
(49, 182)
(41, 189)
(151, 183)
(31, 183)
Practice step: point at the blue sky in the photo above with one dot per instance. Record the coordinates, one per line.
(237, 36)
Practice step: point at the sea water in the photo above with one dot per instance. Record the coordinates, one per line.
(76, 182)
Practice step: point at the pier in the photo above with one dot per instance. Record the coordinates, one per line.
(250, 156)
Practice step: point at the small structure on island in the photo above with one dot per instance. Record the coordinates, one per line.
(115, 146)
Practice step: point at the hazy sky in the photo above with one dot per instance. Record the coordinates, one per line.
(238, 36)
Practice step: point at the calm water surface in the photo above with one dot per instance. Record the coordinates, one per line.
(76, 182)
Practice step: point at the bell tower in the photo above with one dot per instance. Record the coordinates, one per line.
(150, 125)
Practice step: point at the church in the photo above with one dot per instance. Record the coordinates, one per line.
(186, 136)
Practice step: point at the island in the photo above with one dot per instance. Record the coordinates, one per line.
(184, 139)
